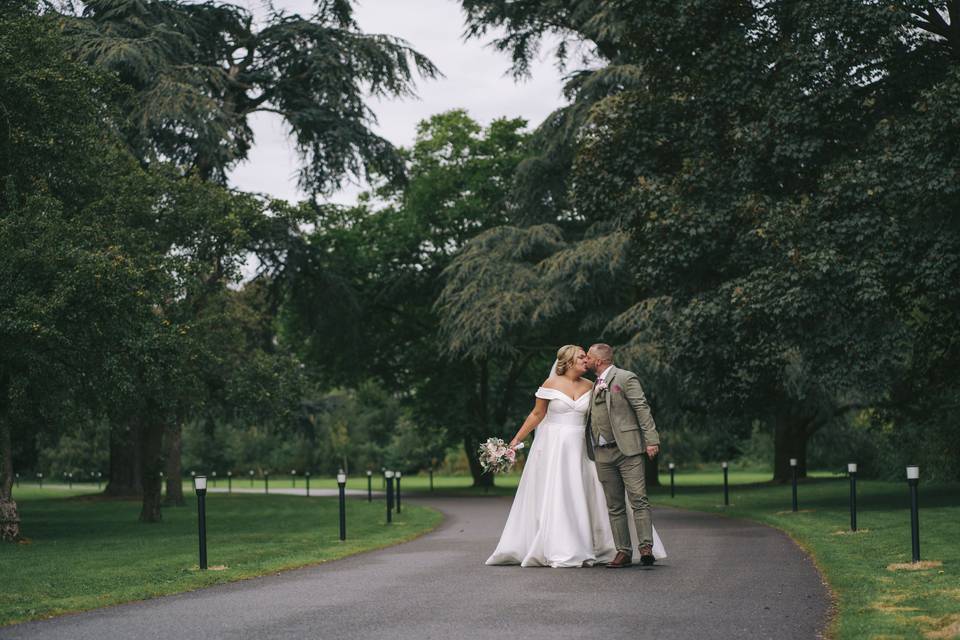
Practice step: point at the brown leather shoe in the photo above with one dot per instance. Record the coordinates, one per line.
(646, 555)
(619, 561)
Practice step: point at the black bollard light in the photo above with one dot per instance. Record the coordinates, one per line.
(342, 484)
(793, 468)
(229, 482)
(99, 479)
(852, 470)
(388, 478)
(399, 474)
(673, 471)
(214, 478)
(251, 478)
(18, 480)
(40, 480)
(200, 484)
(369, 485)
(306, 474)
(913, 479)
(726, 485)
(431, 478)
(70, 479)
(293, 476)
(266, 482)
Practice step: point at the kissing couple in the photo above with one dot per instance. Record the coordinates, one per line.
(585, 466)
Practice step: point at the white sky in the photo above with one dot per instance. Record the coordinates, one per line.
(476, 79)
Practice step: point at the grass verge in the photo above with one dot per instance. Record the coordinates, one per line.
(86, 552)
(879, 592)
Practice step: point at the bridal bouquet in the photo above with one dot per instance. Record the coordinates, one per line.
(496, 456)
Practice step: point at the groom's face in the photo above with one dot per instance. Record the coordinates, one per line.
(591, 361)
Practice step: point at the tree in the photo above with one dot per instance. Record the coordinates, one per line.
(770, 274)
(76, 272)
(197, 72)
(363, 300)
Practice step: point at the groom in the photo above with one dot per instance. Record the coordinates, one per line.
(619, 431)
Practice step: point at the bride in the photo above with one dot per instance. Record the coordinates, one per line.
(559, 515)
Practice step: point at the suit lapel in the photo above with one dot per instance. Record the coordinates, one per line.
(610, 377)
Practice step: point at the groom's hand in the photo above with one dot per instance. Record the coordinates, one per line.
(652, 451)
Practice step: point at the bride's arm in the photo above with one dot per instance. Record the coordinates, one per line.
(534, 419)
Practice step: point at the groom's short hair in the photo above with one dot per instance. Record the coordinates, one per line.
(603, 351)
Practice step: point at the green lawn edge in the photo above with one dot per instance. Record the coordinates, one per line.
(429, 517)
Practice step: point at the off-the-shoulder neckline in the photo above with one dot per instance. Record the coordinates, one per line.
(564, 394)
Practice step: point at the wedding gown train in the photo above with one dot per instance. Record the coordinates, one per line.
(559, 515)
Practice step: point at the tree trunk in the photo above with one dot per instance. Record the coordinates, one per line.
(174, 469)
(480, 478)
(151, 456)
(125, 461)
(9, 515)
(790, 441)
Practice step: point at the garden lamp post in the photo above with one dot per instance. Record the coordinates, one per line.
(852, 470)
(913, 479)
(342, 485)
(399, 474)
(726, 485)
(200, 484)
(673, 471)
(793, 470)
(369, 485)
(388, 478)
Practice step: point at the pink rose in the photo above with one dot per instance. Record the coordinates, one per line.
(616, 388)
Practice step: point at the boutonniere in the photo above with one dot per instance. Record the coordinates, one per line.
(601, 385)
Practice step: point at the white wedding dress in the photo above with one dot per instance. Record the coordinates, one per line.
(559, 515)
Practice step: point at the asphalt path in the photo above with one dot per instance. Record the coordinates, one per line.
(724, 578)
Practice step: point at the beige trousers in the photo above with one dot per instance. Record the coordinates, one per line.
(621, 474)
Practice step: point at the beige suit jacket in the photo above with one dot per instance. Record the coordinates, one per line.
(630, 417)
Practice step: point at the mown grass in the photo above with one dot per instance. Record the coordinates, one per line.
(874, 598)
(86, 552)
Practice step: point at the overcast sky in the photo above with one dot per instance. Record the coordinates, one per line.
(475, 79)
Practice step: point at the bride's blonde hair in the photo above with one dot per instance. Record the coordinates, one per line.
(566, 357)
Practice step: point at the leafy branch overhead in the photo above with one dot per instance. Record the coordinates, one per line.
(196, 72)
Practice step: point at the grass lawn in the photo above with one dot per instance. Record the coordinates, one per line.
(875, 598)
(87, 552)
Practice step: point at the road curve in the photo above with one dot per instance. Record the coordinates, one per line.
(724, 579)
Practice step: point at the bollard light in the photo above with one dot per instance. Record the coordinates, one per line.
(369, 485)
(431, 478)
(293, 475)
(793, 467)
(18, 480)
(266, 482)
(306, 474)
(342, 484)
(229, 482)
(40, 480)
(399, 474)
(852, 471)
(99, 479)
(913, 479)
(726, 485)
(70, 479)
(388, 478)
(251, 478)
(200, 485)
(214, 474)
(673, 470)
